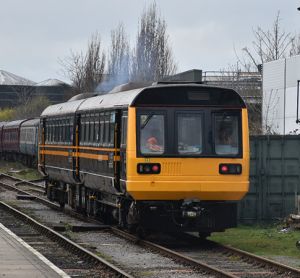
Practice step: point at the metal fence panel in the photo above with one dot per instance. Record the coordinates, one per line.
(274, 178)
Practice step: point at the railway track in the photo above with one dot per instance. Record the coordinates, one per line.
(67, 255)
(208, 258)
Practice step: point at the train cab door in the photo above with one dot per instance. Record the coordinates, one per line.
(124, 117)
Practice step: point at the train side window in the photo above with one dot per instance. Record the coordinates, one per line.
(189, 133)
(124, 131)
(112, 129)
(82, 129)
(87, 130)
(97, 126)
(92, 129)
(106, 129)
(101, 132)
(226, 133)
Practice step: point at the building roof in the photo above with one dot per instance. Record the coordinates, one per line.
(10, 79)
(51, 83)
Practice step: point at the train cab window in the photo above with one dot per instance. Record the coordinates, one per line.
(190, 133)
(152, 137)
(226, 130)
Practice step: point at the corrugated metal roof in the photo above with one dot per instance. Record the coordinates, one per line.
(7, 78)
(51, 82)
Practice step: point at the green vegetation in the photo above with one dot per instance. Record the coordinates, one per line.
(7, 114)
(261, 240)
(18, 170)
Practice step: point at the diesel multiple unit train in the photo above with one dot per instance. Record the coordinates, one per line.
(172, 157)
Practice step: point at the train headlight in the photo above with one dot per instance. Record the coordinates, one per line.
(230, 169)
(148, 168)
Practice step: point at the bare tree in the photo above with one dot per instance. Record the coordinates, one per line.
(32, 109)
(152, 57)
(268, 45)
(295, 46)
(118, 61)
(85, 70)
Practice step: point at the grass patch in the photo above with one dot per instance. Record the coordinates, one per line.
(18, 170)
(261, 240)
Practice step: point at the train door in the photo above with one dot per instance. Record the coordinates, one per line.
(124, 118)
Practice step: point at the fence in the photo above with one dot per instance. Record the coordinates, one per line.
(274, 179)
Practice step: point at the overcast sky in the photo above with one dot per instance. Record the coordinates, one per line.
(34, 34)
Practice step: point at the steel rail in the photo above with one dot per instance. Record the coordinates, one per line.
(67, 243)
(278, 267)
(187, 260)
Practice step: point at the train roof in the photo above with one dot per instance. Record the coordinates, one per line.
(179, 94)
(30, 122)
(13, 124)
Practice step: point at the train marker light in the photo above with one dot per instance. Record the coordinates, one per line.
(155, 168)
(224, 169)
(230, 169)
(148, 168)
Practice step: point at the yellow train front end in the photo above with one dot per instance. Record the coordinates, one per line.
(188, 161)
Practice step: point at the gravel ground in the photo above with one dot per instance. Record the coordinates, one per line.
(128, 256)
(137, 260)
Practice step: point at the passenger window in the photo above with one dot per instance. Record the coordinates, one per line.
(82, 130)
(106, 129)
(97, 134)
(124, 131)
(92, 129)
(152, 137)
(190, 133)
(112, 129)
(226, 134)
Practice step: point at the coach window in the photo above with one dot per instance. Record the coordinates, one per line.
(102, 129)
(63, 137)
(189, 133)
(92, 129)
(124, 130)
(152, 133)
(226, 134)
(106, 129)
(60, 128)
(112, 129)
(87, 130)
(82, 129)
(97, 126)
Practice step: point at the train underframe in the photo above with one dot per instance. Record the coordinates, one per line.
(168, 216)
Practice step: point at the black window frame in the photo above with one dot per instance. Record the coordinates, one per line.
(171, 136)
(155, 111)
(176, 135)
(229, 112)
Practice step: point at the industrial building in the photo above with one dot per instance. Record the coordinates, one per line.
(13, 89)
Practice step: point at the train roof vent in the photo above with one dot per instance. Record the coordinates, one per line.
(129, 86)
